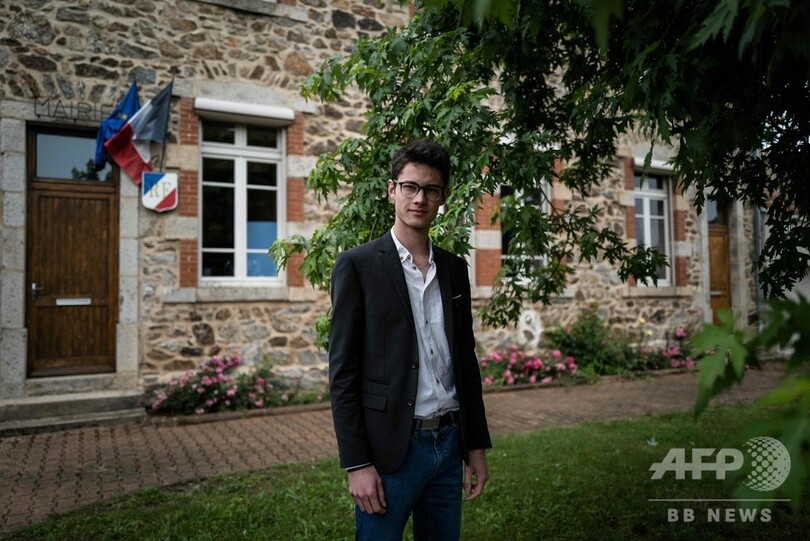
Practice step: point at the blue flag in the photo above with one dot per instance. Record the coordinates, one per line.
(113, 124)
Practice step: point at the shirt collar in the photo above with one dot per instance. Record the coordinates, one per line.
(404, 254)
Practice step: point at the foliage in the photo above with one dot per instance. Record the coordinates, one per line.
(603, 351)
(596, 472)
(514, 89)
(215, 387)
(726, 351)
(514, 365)
(675, 354)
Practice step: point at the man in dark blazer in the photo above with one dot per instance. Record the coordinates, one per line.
(404, 378)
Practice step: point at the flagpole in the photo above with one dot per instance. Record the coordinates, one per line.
(166, 131)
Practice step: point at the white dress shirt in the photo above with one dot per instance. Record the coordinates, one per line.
(436, 390)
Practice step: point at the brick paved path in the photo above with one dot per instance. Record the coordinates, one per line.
(55, 472)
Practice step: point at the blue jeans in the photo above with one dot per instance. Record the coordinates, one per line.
(428, 484)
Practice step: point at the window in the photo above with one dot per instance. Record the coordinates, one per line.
(242, 201)
(508, 243)
(65, 156)
(653, 218)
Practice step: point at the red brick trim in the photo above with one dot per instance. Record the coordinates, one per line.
(294, 276)
(295, 199)
(629, 173)
(189, 123)
(189, 191)
(188, 263)
(630, 222)
(484, 213)
(487, 265)
(681, 276)
(295, 136)
(679, 224)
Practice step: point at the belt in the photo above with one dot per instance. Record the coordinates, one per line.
(434, 424)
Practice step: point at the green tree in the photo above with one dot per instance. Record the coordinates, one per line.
(512, 87)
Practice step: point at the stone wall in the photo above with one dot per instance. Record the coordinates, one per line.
(260, 52)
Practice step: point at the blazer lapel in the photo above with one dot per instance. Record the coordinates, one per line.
(390, 260)
(446, 286)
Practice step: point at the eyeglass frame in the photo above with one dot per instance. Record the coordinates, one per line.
(420, 188)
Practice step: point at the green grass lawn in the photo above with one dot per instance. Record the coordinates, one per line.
(591, 481)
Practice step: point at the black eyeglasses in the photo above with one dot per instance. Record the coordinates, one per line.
(410, 189)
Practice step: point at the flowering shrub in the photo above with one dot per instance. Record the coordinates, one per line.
(676, 354)
(598, 349)
(514, 365)
(601, 350)
(213, 387)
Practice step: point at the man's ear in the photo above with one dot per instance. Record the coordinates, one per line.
(392, 188)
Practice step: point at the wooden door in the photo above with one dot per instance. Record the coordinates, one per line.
(72, 257)
(719, 281)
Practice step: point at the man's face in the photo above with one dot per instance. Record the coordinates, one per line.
(417, 213)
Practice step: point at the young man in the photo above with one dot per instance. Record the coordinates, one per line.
(404, 378)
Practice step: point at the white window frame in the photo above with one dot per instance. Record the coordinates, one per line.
(647, 194)
(241, 153)
(544, 207)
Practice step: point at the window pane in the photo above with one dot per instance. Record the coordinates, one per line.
(218, 170)
(260, 136)
(217, 264)
(639, 207)
(656, 208)
(261, 174)
(218, 217)
(657, 235)
(262, 219)
(640, 240)
(651, 182)
(261, 265)
(218, 132)
(68, 157)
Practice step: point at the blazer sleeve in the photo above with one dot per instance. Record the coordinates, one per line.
(345, 363)
(474, 423)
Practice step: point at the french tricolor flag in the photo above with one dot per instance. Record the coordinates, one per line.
(129, 148)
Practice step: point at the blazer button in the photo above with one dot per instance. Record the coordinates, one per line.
(410, 403)
(414, 365)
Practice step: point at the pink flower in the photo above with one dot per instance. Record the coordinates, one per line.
(556, 353)
(199, 411)
(231, 392)
(200, 390)
(546, 380)
(259, 403)
(488, 380)
(680, 332)
(284, 398)
(532, 378)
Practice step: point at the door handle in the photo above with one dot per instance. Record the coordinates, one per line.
(35, 289)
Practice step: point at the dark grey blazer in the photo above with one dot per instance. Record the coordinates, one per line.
(374, 360)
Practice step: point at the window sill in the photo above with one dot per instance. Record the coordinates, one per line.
(186, 295)
(642, 292)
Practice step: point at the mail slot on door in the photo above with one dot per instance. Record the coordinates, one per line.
(83, 301)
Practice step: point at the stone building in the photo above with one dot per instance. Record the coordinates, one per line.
(102, 297)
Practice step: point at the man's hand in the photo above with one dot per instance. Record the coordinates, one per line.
(476, 467)
(366, 488)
